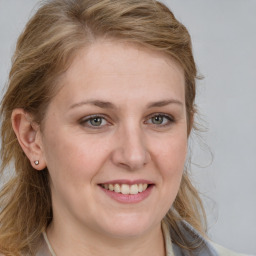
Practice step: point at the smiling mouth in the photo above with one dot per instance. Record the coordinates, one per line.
(126, 189)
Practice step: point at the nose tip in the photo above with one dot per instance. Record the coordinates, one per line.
(132, 160)
(136, 159)
(132, 153)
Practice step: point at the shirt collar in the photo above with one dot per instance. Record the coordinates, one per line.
(167, 240)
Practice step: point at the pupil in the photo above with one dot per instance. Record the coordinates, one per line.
(157, 119)
(96, 121)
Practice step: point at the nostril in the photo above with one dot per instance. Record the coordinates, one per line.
(131, 152)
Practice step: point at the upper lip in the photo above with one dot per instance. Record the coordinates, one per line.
(128, 182)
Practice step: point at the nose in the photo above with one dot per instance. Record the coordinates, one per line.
(131, 151)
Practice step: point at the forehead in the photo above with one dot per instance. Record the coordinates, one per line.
(107, 67)
(107, 54)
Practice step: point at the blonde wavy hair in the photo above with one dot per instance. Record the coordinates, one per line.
(44, 51)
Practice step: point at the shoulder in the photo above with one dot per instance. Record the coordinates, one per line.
(222, 251)
(206, 246)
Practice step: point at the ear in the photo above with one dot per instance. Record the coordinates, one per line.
(29, 136)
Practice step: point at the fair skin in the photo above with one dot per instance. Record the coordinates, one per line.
(137, 135)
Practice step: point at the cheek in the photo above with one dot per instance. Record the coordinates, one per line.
(170, 160)
(73, 159)
(171, 155)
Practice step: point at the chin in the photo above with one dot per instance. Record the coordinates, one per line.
(130, 227)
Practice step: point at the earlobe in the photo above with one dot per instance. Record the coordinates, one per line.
(29, 137)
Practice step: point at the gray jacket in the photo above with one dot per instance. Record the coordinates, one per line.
(205, 247)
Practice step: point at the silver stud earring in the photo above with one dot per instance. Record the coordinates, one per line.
(36, 162)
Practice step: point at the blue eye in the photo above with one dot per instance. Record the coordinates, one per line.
(157, 119)
(160, 119)
(94, 121)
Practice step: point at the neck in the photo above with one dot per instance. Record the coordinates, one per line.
(78, 242)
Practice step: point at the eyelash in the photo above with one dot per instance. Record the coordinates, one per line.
(85, 121)
(169, 118)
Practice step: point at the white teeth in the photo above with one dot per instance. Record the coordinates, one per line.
(117, 188)
(144, 186)
(126, 189)
(134, 189)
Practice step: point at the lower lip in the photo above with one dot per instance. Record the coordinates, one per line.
(128, 199)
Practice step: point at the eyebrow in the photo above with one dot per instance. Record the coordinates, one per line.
(163, 103)
(97, 103)
(109, 105)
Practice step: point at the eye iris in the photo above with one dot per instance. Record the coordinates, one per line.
(96, 121)
(157, 120)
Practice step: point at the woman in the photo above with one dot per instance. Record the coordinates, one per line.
(96, 119)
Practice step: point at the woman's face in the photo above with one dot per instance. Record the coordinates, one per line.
(118, 121)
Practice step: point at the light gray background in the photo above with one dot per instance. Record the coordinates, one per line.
(224, 42)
